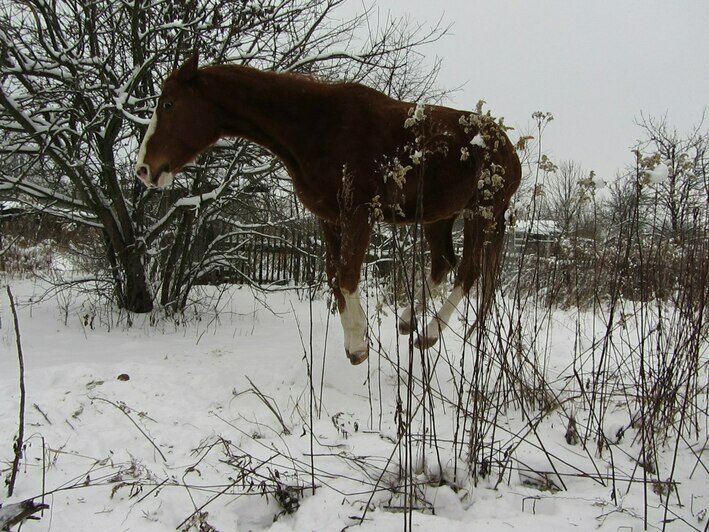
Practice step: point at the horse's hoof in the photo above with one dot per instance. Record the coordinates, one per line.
(424, 342)
(404, 327)
(357, 357)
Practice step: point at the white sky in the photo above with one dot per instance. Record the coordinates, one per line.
(595, 65)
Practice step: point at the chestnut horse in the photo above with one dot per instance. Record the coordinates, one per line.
(356, 156)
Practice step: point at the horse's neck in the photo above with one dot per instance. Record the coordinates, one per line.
(273, 110)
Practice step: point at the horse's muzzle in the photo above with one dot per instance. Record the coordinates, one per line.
(161, 179)
(142, 172)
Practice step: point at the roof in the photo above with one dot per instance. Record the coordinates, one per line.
(537, 227)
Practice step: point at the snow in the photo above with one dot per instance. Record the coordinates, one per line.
(196, 201)
(8, 205)
(537, 227)
(207, 391)
(658, 175)
(478, 141)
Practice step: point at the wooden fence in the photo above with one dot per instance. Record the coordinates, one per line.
(284, 257)
(296, 255)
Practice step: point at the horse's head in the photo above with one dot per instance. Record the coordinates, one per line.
(183, 125)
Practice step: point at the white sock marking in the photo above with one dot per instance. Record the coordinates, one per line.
(442, 318)
(417, 304)
(354, 323)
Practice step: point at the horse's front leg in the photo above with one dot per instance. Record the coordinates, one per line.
(354, 325)
(355, 231)
(345, 247)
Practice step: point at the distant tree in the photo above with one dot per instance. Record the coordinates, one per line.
(569, 195)
(658, 215)
(673, 172)
(536, 166)
(77, 85)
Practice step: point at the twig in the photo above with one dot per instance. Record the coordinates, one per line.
(123, 409)
(17, 446)
(44, 473)
(223, 491)
(14, 514)
(38, 409)
(268, 404)
(312, 391)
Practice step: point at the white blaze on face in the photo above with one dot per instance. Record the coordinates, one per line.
(149, 133)
(142, 170)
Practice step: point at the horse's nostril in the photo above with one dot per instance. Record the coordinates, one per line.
(142, 171)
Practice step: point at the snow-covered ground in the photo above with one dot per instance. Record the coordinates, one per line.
(151, 426)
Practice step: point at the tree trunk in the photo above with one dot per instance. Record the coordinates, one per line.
(130, 282)
(137, 294)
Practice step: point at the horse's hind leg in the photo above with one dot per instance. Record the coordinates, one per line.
(482, 251)
(440, 242)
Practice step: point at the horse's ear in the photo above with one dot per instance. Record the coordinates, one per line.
(189, 68)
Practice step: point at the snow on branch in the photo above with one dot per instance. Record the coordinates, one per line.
(41, 193)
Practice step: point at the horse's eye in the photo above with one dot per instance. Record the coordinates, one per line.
(166, 104)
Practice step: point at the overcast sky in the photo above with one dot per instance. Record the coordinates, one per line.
(595, 65)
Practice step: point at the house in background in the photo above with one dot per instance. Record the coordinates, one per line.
(539, 237)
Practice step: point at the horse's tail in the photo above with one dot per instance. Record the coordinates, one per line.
(490, 266)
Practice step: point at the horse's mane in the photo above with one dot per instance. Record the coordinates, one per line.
(295, 79)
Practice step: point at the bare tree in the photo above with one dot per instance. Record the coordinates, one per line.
(76, 89)
(568, 196)
(677, 201)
